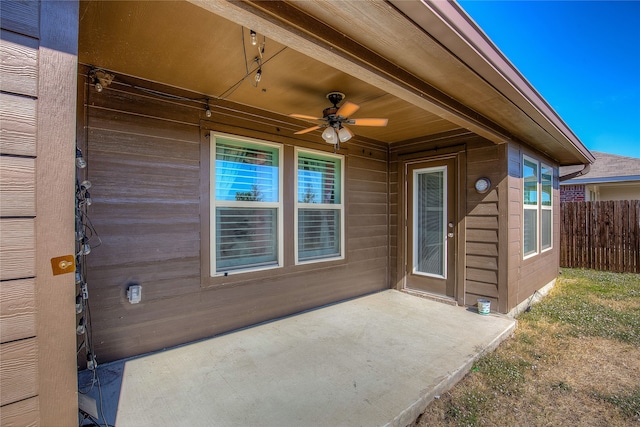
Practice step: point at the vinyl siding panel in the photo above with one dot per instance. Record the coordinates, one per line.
(18, 64)
(484, 236)
(17, 124)
(17, 253)
(17, 187)
(149, 174)
(18, 310)
(528, 275)
(24, 413)
(18, 322)
(18, 370)
(21, 17)
(37, 111)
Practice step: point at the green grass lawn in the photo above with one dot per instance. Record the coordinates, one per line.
(574, 360)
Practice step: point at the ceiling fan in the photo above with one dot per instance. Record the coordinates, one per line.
(335, 118)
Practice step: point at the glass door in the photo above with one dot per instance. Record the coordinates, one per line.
(431, 227)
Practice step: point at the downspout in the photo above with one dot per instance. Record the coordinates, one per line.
(581, 172)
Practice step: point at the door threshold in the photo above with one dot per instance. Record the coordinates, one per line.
(434, 297)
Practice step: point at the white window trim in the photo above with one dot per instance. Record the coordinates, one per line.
(298, 205)
(548, 208)
(535, 207)
(538, 207)
(213, 136)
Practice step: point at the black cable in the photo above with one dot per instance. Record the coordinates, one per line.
(244, 51)
(529, 304)
(228, 92)
(225, 95)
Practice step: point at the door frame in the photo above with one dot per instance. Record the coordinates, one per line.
(458, 153)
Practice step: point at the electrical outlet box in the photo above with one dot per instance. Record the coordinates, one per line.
(134, 293)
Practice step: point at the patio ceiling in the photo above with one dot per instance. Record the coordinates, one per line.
(382, 60)
(178, 44)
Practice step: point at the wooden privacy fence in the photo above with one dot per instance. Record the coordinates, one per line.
(601, 235)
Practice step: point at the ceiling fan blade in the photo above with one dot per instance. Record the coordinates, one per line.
(304, 117)
(347, 109)
(369, 122)
(311, 129)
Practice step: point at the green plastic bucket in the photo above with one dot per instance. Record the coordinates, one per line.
(484, 306)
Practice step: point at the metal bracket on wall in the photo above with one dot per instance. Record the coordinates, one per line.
(63, 264)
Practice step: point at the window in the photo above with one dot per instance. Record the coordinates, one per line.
(530, 205)
(246, 208)
(319, 207)
(537, 206)
(546, 217)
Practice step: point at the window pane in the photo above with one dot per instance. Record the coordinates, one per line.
(546, 178)
(246, 172)
(429, 242)
(318, 233)
(318, 179)
(545, 225)
(245, 237)
(530, 175)
(530, 234)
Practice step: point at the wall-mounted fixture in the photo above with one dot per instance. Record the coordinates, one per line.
(101, 79)
(482, 185)
(81, 163)
(134, 293)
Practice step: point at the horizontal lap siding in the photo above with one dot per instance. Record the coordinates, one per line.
(17, 125)
(37, 111)
(526, 276)
(18, 103)
(18, 370)
(23, 413)
(483, 228)
(17, 310)
(144, 163)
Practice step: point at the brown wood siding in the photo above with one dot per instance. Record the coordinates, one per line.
(17, 310)
(148, 165)
(528, 275)
(484, 256)
(19, 64)
(18, 370)
(21, 17)
(17, 180)
(24, 413)
(18, 81)
(18, 125)
(37, 73)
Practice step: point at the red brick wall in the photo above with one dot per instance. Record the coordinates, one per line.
(572, 193)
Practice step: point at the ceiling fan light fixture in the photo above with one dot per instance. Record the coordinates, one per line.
(334, 117)
(330, 135)
(344, 134)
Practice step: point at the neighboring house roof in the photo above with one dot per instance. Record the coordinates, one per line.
(606, 168)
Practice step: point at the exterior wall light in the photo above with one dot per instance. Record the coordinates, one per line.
(482, 185)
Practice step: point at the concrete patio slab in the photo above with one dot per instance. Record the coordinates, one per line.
(372, 361)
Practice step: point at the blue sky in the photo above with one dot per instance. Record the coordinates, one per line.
(582, 56)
